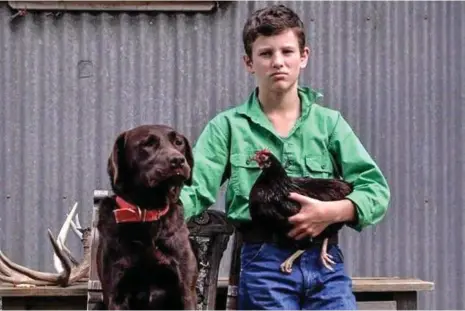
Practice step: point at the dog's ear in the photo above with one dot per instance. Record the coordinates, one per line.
(189, 159)
(116, 161)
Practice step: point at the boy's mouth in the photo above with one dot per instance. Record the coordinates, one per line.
(278, 74)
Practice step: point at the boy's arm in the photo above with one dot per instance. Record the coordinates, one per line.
(371, 192)
(211, 155)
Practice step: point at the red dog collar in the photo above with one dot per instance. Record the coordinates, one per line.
(132, 213)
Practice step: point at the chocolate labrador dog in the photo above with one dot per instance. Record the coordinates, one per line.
(144, 258)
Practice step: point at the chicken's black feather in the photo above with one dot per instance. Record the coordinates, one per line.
(270, 205)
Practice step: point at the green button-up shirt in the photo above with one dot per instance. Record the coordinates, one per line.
(321, 144)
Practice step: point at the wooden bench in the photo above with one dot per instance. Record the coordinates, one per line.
(44, 297)
(372, 294)
(211, 233)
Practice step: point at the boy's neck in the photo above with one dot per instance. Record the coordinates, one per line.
(280, 102)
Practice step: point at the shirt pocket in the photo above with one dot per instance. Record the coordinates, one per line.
(243, 174)
(317, 166)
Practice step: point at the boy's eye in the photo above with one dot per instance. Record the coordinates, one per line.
(288, 50)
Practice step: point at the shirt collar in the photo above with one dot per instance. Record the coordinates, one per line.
(252, 109)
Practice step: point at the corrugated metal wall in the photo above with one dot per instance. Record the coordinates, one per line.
(69, 84)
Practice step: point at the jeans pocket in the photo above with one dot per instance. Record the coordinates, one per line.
(250, 252)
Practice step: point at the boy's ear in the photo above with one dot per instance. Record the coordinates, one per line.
(304, 57)
(248, 63)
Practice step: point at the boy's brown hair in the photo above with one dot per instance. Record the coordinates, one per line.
(271, 21)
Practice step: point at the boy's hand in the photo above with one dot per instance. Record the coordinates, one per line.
(316, 215)
(312, 218)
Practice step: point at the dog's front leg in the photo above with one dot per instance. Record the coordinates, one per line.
(190, 299)
(117, 304)
(188, 283)
(188, 273)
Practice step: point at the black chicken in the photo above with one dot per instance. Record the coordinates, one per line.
(270, 206)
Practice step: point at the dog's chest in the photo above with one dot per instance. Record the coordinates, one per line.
(156, 253)
(160, 257)
(152, 262)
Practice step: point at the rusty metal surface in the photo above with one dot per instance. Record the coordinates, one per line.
(70, 83)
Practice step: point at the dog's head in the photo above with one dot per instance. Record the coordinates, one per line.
(148, 159)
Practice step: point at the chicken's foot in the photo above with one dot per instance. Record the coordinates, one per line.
(286, 266)
(326, 258)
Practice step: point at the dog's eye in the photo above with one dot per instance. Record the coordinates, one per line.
(150, 141)
(178, 142)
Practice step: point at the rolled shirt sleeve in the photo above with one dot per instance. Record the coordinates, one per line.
(371, 192)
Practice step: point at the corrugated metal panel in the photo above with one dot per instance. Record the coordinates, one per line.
(69, 84)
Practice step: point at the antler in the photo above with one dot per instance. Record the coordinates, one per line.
(68, 273)
(17, 274)
(75, 225)
(62, 235)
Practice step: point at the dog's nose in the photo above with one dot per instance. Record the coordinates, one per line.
(177, 162)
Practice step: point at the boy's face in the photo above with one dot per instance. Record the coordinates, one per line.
(276, 61)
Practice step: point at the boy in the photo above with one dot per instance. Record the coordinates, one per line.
(312, 141)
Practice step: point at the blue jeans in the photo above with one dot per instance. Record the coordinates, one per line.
(310, 285)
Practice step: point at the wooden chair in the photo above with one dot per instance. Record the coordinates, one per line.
(210, 233)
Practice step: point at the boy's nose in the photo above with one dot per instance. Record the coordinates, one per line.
(278, 60)
(277, 64)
